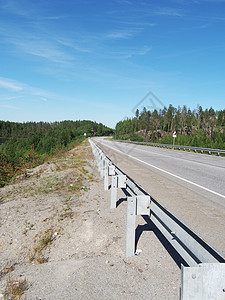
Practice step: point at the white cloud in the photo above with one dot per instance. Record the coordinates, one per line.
(139, 23)
(24, 9)
(168, 12)
(71, 44)
(122, 2)
(9, 106)
(22, 90)
(41, 48)
(53, 18)
(122, 34)
(129, 52)
(10, 84)
(8, 98)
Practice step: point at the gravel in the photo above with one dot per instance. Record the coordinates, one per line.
(85, 256)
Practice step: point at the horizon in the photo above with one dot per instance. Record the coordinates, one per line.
(79, 60)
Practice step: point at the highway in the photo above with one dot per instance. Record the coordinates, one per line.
(189, 185)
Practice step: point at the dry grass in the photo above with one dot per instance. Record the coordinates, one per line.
(40, 244)
(15, 288)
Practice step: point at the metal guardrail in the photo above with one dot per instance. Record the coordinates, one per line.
(179, 147)
(203, 277)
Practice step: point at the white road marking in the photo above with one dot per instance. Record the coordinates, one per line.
(169, 173)
(181, 158)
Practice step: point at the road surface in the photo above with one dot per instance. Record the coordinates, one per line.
(189, 185)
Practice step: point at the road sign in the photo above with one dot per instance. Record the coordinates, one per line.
(174, 134)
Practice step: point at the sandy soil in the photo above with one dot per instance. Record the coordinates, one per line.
(59, 236)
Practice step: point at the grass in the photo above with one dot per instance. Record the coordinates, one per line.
(66, 208)
(67, 213)
(44, 241)
(15, 288)
(27, 226)
(91, 178)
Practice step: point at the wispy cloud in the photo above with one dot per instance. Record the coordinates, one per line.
(7, 98)
(62, 49)
(121, 34)
(44, 99)
(167, 11)
(37, 38)
(37, 44)
(139, 23)
(9, 106)
(42, 48)
(53, 18)
(20, 90)
(129, 52)
(26, 94)
(10, 84)
(20, 8)
(122, 2)
(71, 44)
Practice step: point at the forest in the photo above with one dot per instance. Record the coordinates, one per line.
(32, 143)
(198, 127)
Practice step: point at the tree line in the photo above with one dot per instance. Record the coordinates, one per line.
(22, 130)
(30, 144)
(198, 127)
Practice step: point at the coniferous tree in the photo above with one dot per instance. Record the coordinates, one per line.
(198, 127)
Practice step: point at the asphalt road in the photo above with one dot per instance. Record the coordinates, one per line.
(190, 185)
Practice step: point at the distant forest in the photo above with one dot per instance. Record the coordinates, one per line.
(198, 127)
(30, 144)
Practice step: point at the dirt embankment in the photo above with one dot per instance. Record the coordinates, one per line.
(60, 240)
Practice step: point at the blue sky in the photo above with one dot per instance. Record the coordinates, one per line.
(96, 60)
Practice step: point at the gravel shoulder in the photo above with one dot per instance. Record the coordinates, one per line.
(58, 233)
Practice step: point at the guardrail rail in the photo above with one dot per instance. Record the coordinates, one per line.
(179, 147)
(203, 277)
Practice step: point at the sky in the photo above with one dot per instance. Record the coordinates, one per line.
(101, 60)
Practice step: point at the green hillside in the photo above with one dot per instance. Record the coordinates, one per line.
(30, 144)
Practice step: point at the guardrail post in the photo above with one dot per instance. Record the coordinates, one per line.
(102, 164)
(203, 282)
(136, 205)
(113, 191)
(106, 173)
(131, 225)
(99, 161)
(110, 170)
(118, 181)
(143, 205)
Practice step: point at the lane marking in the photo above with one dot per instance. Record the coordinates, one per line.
(181, 158)
(169, 173)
